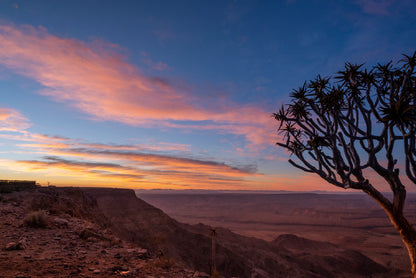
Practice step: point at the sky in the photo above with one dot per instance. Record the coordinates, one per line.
(174, 94)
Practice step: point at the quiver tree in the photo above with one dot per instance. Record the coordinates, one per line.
(363, 122)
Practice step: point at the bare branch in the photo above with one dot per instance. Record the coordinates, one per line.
(337, 131)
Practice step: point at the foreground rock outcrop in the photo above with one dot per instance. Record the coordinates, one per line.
(76, 242)
(98, 232)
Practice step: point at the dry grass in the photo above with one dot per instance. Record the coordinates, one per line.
(37, 219)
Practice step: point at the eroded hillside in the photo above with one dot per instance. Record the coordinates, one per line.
(97, 232)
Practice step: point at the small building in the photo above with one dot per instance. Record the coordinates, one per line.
(7, 186)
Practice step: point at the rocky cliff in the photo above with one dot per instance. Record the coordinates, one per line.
(112, 232)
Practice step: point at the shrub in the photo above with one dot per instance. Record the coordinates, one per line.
(37, 219)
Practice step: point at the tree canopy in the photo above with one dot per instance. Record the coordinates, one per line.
(365, 112)
(359, 122)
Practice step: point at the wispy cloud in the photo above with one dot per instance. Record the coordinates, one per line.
(377, 7)
(159, 66)
(12, 120)
(96, 79)
(152, 170)
(140, 156)
(50, 161)
(130, 165)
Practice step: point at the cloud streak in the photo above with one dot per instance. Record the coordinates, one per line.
(376, 7)
(142, 166)
(96, 79)
(12, 120)
(144, 175)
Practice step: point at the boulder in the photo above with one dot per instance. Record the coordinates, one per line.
(21, 245)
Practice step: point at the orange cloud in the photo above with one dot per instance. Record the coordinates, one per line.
(143, 166)
(97, 80)
(133, 176)
(155, 162)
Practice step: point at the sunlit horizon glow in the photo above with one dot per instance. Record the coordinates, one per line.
(181, 100)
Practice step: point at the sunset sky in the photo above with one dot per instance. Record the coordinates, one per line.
(173, 94)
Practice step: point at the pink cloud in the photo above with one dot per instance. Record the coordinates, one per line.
(378, 7)
(160, 66)
(152, 161)
(12, 120)
(41, 141)
(96, 79)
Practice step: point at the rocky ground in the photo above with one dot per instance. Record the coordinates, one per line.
(69, 244)
(109, 232)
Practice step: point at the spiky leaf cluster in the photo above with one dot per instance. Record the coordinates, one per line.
(337, 127)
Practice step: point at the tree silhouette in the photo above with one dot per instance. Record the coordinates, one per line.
(363, 122)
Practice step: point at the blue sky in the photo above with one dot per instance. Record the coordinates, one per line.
(173, 94)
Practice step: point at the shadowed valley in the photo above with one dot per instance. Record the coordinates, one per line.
(350, 221)
(111, 232)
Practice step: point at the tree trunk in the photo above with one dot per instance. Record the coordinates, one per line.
(408, 234)
(404, 227)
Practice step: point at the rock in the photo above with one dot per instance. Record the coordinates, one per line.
(125, 273)
(86, 233)
(124, 268)
(21, 245)
(96, 271)
(93, 239)
(61, 222)
(11, 246)
(74, 272)
(22, 275)
(139, 252)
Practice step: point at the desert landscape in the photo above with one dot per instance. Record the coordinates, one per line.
(232, 138)
(111, 232)
(105, 232)
(347, 220)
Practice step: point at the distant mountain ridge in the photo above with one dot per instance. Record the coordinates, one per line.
(209, 191)
(120, 213)
(135, 220)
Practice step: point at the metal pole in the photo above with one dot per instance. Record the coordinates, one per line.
(213, 268)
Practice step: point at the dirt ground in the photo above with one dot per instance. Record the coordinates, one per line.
(69, 246)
